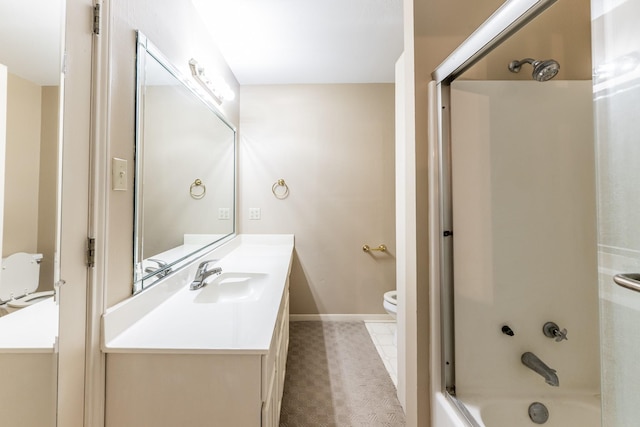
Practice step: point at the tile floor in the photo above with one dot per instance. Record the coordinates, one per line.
(383, 336)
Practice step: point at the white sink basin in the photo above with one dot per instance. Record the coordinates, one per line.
(232, 287)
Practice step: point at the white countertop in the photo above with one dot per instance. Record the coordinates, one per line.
(168, 318)
(33, 329)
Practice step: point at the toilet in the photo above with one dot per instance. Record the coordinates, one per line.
(19, 281)
(390, 303)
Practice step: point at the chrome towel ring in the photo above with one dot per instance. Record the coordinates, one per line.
(280, 189)
(197, 189)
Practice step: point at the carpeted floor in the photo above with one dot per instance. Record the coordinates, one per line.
(335, 378)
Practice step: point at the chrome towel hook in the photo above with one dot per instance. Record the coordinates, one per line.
(197, 190)
(280, 193)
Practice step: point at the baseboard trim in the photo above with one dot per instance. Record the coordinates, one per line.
(340, 317)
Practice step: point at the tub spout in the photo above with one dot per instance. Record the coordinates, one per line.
(532, 362)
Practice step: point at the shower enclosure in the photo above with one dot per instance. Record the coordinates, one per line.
(513, 253)
(524, 251)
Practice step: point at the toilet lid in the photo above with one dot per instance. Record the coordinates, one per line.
(20, 275)
(30, 299)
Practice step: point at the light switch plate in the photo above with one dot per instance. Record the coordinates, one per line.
(118, 174)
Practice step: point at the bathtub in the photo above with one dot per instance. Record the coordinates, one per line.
(564, 411)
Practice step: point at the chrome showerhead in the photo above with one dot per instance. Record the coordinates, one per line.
(542, 70)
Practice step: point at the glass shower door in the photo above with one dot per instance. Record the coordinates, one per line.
(616, 65)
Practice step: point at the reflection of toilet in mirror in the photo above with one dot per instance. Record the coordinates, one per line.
(19, 281)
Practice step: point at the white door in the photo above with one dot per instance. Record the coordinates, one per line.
(75, 216)
(616, 62)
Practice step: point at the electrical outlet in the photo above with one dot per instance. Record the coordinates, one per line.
(224, 213)
(254, 213)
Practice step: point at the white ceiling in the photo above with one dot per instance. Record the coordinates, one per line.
(30, 39)
(307, 41)
(263, 41)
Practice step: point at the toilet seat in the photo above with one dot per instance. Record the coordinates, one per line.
(19, 282)
(390, 303)
(391, 297)
(30, 299)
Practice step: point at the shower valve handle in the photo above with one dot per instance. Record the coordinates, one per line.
(561, 335)
(551, 330)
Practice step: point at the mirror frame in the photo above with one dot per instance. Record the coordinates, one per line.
(141, 280)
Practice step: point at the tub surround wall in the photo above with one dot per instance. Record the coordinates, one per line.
(524, 220)
(334, 146)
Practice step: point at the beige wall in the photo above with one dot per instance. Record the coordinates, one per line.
(48, 182)
(550, 35)
(185, 141)
(334, 147)
(440, 28)
(176, 30)
(30, 173)
(22, 167)
(4, 82)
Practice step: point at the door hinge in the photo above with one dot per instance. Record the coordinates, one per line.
(91, 252)
(96, 19)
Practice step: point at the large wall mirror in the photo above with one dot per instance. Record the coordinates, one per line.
(185, 169)
(31, 36)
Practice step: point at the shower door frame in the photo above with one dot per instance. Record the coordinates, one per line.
(502, 24)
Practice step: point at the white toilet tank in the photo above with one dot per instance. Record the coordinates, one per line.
(20, 275)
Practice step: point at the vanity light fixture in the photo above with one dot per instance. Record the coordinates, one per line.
(215, 86)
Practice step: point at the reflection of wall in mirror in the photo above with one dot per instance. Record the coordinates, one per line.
(3, 137)
(184, 141)
(30, 172)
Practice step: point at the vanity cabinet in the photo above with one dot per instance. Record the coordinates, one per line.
(273, 370)
(224, 389)
(172, 360)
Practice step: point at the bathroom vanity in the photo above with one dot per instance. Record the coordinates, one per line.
(212, 356)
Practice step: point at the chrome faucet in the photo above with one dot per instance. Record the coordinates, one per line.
(532, 362)
(162, 270)
(203, 273)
